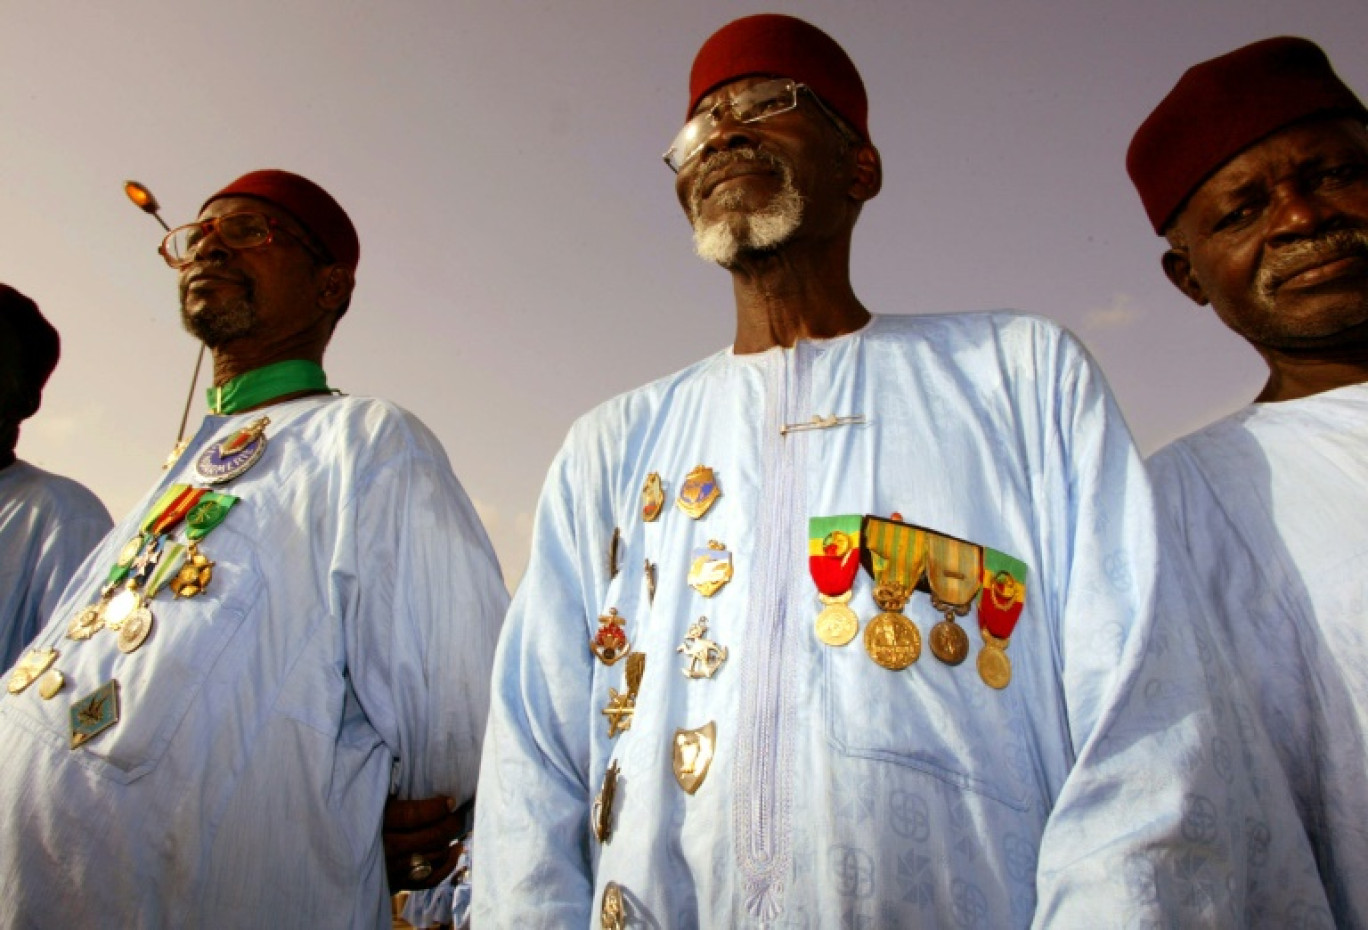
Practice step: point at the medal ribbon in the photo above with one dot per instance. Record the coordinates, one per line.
(173, 512)
(834, 552)
(1004, 593)
(255, 387)
(893, 552)
(208, 514)
(954, 570)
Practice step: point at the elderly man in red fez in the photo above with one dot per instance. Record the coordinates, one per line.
(1255, 168)
(297, 620)
(48, 523)
(711, 703)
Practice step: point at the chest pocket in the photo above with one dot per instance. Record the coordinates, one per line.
(939, 720)
(161, 681)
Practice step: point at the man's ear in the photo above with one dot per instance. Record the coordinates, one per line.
(337, 288)
(867, 178)
(1178, 269)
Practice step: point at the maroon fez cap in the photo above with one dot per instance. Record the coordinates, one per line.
(770, 43)
(39, 344)
(308, 203)
(1221, 107)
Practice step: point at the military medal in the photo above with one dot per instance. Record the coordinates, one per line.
(601, 814)
(115, 609)
(613, 910)
(86, 623)
(610, 643)
(955, 574)
(693, 754)
(652, 498)
(833, 562)
(704, 656)
(710, 568)
(94, 713)
(1000, 606)
(613, 545)
(136, 627)
(650, 572)
(621, 707)
(229, 458)
(195, 574)
(34, 663)
(50, 684)
(894, 553)
(699, 492)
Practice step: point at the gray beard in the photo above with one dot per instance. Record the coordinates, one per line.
(215, 326)
(725, 240)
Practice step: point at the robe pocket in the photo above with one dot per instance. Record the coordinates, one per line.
(941, 721)
(163, 679)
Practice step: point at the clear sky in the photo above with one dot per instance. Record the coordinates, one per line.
(522, 254)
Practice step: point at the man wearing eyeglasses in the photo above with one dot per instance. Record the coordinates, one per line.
(737, 685)
(1254, 168)
(296, 620)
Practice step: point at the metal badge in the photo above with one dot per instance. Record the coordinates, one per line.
(949, 642)
(94, 713)
(50, 684)
(710, 568)
(993, 665)
(700, 492)
(613, 912)
(837, 624)
(693, 754)
(613, 546)
(86, 623)
(194, 575)
(610, 643)
(621, 707)
(32, 665)
(652, 498)
(704, 656)
(137, 626)
(650, 572)
(601, 814)
(892, 640)
(231, 457)
(116, 609)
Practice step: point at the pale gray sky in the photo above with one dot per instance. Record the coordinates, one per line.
(522, 254)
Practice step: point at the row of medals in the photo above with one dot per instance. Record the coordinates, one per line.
(123, 605)
(693, 749)
(894, 642)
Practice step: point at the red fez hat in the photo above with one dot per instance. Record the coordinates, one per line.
(39, 345)
(785, 47)
(308, 203)
(1221, 107)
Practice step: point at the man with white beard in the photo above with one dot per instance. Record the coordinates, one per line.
(1255, 168)
(688, 725)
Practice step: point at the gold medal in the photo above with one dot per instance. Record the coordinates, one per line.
(601, 814)
(621, 707)
(837, 624)
(993, 665)
(650, 572)
(892, 640)
(613, 546)
(86, 623)
(51, 684)
(610, 643)
(194, 575)
(33, 664)
(135, 629)
(949, 643)
(129, 552)
(710, 569)
(693, 754)
(700, 492)
(613, 911)
(652, 498)
(115, 610)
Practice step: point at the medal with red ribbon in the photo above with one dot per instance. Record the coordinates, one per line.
(1000, 606)
(833, 562)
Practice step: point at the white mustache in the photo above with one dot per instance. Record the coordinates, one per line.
(1300, 256)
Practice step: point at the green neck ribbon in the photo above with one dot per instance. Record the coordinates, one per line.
(256, 387)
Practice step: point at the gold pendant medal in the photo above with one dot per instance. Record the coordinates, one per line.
(993, 665)
(1000, 607)
(949, 642)
(892, 640)
(837, 624)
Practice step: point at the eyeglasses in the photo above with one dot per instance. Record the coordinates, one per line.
(754, 104)
(246, 230)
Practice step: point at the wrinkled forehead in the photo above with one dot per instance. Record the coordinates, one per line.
(1302, 143)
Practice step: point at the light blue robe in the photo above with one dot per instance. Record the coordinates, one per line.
(48, 525)
(348, 631)
(1106, 785)
(1271, 506)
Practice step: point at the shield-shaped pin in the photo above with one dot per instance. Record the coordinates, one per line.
(699, 492)
(710, 568)
(652, 498)
(693, 754)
